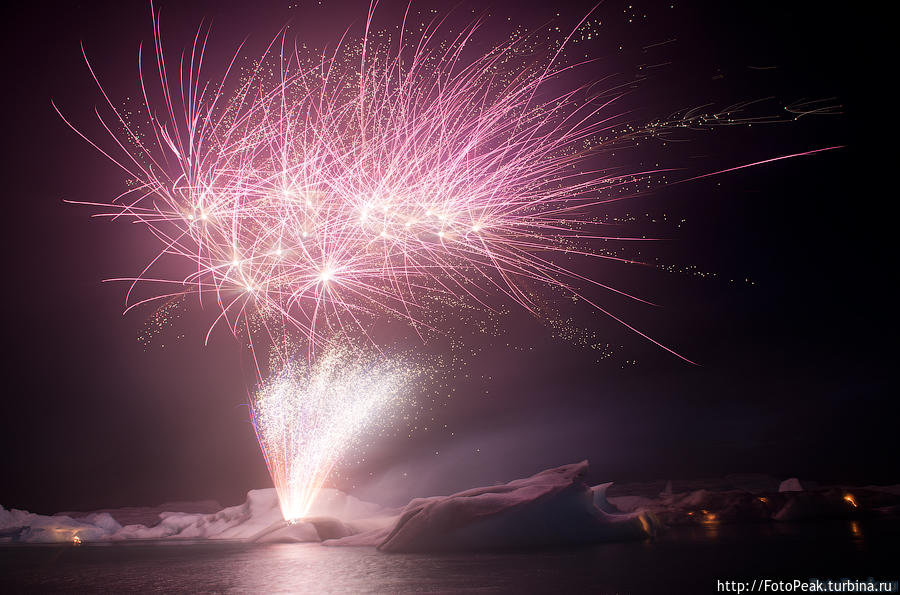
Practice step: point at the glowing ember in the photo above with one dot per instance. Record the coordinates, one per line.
(850, 500)
(306, 416)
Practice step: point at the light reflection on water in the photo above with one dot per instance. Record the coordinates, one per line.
(680, 560)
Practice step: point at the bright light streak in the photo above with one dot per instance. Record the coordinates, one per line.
(336, 151)
(306, 417)
(326, 150)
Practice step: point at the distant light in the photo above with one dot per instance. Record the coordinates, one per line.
(645, 524)
(76, 540)
(851, 500)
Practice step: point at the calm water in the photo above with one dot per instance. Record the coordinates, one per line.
(680, 561)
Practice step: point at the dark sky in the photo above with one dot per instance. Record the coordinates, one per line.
(793, 370)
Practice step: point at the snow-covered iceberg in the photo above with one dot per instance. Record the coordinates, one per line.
(554, 507)
(551, 508)
(723, 503)
(332, 509)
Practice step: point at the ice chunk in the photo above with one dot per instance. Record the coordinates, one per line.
(667, 491)
(150, 515)
(790, 485)
(599, 496)
(554, 507)
(259, 513)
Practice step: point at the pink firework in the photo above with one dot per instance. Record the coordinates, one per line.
(322, 191)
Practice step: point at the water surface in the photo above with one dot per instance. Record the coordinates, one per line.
(684, 560)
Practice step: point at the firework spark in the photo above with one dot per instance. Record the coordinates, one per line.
(324, 191)
(307, 415)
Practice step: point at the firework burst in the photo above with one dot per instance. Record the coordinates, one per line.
(327, 190)
(307, 415)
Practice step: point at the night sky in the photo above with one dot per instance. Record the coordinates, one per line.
(790, 320)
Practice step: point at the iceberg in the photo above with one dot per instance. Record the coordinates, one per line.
(792, 484)
(551, 508)
(554, 507)
(258, 513)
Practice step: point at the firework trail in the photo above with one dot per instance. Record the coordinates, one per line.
(326, 191)
(307, 415)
